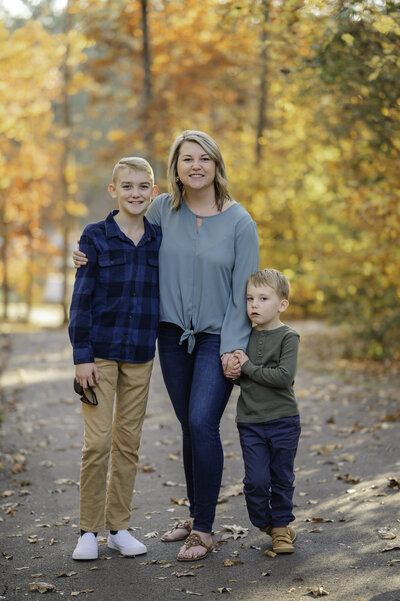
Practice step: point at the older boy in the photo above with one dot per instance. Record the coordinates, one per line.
(113, 328)
(267, 413)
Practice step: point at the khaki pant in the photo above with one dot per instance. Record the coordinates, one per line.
(114, 427)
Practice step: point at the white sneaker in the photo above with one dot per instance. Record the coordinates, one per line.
(125, 543)
(87, 547)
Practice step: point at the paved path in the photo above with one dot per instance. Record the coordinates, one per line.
(348, 457)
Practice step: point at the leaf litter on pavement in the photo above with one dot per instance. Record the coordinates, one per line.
(333, 454)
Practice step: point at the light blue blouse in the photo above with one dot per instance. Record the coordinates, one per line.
(203, 273)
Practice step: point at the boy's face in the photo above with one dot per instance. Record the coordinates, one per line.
(134, 191)
(264, 306)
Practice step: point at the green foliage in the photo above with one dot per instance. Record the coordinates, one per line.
(303, 99)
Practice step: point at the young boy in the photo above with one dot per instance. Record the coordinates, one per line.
(267, 414)
(113, 328)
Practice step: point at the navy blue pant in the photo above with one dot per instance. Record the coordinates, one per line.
(269, 450)
(199, 393)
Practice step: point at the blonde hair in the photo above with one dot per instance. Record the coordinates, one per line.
(273, 278)
(136, 163)
(175, 186)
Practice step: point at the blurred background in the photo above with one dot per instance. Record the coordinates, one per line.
(302, 96)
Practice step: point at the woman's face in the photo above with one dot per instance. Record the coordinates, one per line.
(196, 169)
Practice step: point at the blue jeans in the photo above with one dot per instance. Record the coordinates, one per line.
(199, 393)
(269, 450)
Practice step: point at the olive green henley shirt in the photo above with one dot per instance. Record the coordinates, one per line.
(267, 379)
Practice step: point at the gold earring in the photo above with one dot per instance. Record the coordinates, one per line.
(177, 179)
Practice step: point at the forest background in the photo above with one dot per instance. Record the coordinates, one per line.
(302, 97)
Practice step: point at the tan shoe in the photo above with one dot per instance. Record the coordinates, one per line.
(283, 539)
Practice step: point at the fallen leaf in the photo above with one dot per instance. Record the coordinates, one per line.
(151, 534)
(66, 574)
(179, 573)
(41, 587)
(232, 562)
(224, 589)
(386, 533)
(393, 483)
(392, 562)
(234, 531)
(395, 548)
(318, 520)
(324, 449)
(47, 463)
(233, 490)
(347, 457)
(76, 593)
(391, 417)
(146, 469)
(173, 457)
(266, 573)
(182, 590)
(169, 483)
(182, 501)
(6, 555)
(319, 591)
(7, 493)
(348, 478)
(67, 481)
(269, 553)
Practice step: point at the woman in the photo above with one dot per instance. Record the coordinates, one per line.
(209, 248)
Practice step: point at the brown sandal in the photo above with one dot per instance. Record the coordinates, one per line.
(181, 526)
(194, 540)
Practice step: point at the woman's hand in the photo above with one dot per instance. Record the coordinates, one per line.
(79, 258)
(231, 366)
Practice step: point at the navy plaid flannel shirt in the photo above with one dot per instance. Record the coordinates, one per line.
(115, 303)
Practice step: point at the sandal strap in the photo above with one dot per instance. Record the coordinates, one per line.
(182, 526)
(194, 540)
(186, 525)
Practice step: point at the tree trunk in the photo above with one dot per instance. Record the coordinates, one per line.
(263, 98)
(66, 160)
(4, 257)
(147, 89)
(30, 276)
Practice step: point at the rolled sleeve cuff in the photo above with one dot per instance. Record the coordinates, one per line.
(83, 355)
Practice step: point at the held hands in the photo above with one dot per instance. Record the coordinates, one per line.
(231, 366)
(241, 357)
(79, 258)
(87, 374)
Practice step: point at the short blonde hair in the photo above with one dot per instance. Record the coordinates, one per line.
(136, 163)
(176, 188)
(273, 278)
